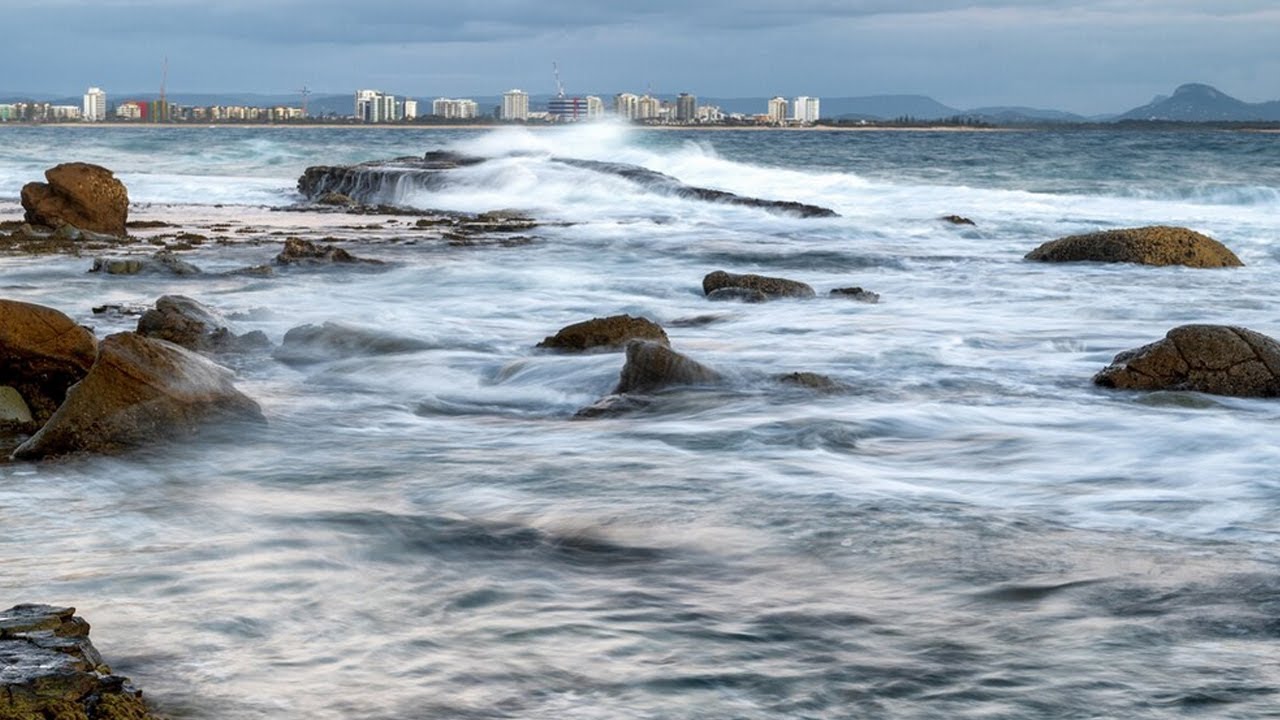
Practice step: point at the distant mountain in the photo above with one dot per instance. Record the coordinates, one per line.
(886, 107)
(1013, 115)
(1196, 102)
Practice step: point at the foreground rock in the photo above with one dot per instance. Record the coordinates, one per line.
(611, 332)
(186, 322)
(42, 353)
(1216, 359)
(308, 344)
(304, 252)
(85, 196)
(49, 670)
(164, 262)
(1155, 245)
(140, 391)
(653, 366)
(771, 287)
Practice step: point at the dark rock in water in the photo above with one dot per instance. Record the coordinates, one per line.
(1215, 359)
(696, 321)
(810, 380)
(614, 405)
(42, 354)
(309, 344)
(770, 286)
(856, 293)
(304, 252)
(86, 196)
(163, 262)
(445, 159)
(120, 309)
(140, 391)
(611, 332)
(737, 294)
(49, 670)
(652, 366)
(957, 220)
(183, 321)
(334, 198)
(1155, 245)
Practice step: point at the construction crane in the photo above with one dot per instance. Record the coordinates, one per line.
(163, 114)
(555, 70)
(305, 91)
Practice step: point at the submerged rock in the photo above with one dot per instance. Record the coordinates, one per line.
(186, 322)
(49, 670)
(86, 196)
(1215, 359)
(812, 381)
(611, 332)
(653, 366)
(42, 354)
(1155, 245)
(308, 344)
(304, 252)
(164, 262)
(772, 287)
(140, 391)
(957, 220)
(856, 293)
(737, 294)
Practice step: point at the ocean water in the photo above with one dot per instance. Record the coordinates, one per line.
(973, 530)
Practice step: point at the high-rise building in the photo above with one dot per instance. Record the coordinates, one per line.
(626, 106)
(410, 109)
(648, 107)
(686, 108)
(777, 109)
(455, 109)
(95, 105)
(367, 105)
(806, 109)
(515, 105)
(595, 108)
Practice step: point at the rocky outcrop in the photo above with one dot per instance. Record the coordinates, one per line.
(957, 220)
(140, 391)
(186, 322)
(164, 262)
(1216, 359)
(856, 293)
(42, 353)
(308, 344)
(652, 366)
(611, 333)
(85, 196)
(304, 252)
(772, 287)
(49, 670)
(1154, 245)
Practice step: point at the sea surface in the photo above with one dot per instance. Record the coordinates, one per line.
(971, 530)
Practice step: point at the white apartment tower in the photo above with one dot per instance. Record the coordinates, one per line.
(410, 109)
(515, 105)
(778, 109)
(806, 109)
(595, 108)
(95, 105)
(626, 106)
(451, 109)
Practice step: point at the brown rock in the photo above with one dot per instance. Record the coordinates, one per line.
(1215, 359)
(183, 321)
(770, 286)
(1154, 245)
(652, 366)
(42, 353)
(298, 251)
(138, 392)
(611, 332)
(86, 196)
(811, 380)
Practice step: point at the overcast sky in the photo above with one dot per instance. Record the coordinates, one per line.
(1087, 56)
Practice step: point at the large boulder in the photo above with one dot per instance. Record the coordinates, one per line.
(186, 322)
(42, 353)
(652, 366)
(138, 392)
(772, 287)
(50, 670)
(611, 332)
(1216, 359)
(1154, 245)
(86, 196)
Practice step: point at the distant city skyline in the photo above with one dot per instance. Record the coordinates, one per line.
(1085, 56)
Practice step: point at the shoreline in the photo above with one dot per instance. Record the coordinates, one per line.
(451, 126)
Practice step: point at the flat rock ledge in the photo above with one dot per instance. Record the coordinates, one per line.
(1214, 359)
(49, 670)
(1158, 245)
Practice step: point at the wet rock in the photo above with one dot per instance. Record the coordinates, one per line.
(335, 198)
(771, 286)
(42, 353)
(1154, 245)
(810, 380)
(304, 252)
(49, 670)
(120, 309)
(614, 405)
(856, 293)
(653, 366)
(186, 322)
(140, 391)
(86, 196)
(611, 332)
(737, 294)
(1215, 359)
(256, 271)
(308, 344)
(696, 321)
(164, 262)
(957, 220)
